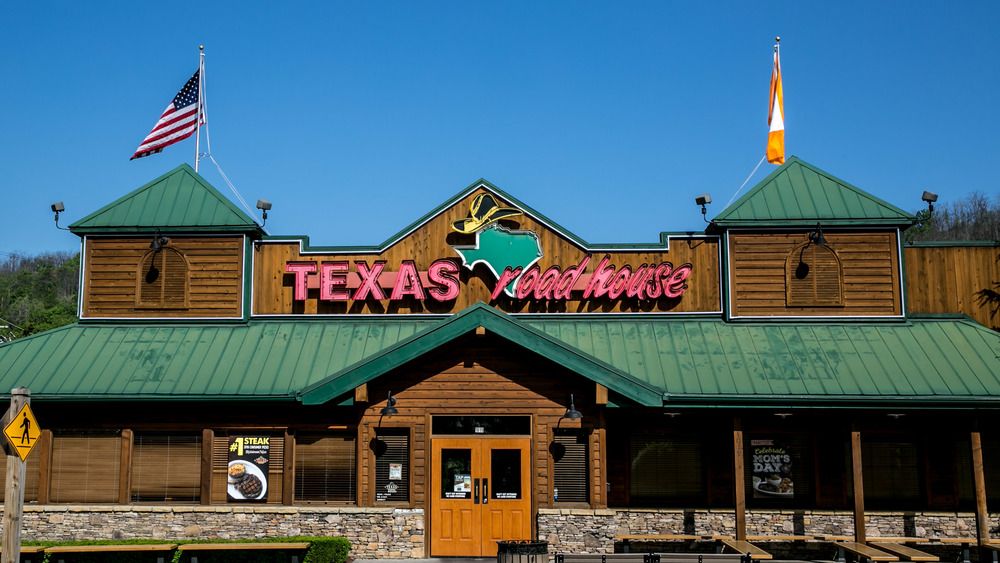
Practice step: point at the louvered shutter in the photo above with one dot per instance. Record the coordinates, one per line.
(325, 468)
(569, 461)
(85, 467)
(166, 468)
(813, 277)
(392, 447)
(162, 280)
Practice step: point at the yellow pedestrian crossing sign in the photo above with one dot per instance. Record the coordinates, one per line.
(23, 432)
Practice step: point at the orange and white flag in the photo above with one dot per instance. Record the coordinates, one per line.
(776, 116)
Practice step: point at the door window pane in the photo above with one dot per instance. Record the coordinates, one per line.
(505, 474)
(456, 473)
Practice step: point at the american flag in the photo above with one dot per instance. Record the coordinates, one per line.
(177, 123)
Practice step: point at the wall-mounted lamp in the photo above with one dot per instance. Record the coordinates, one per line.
(571, 412)
(703, 200)
(817, 236)
(158, 241)
(930, 198)
(782, 415)
(895, 415)
(390, 406)
(264, 206)
(58, 208)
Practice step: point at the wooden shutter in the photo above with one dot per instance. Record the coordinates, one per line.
(325, 468)
(392, 446)
(666, 470)
(569, 466)
(162, 280)
(85, 467)
(813, 277)
(166, 468)
(220, 466)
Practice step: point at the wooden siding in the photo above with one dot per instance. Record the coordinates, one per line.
(954, 279)
(480, 376)
(870, 265)
(215, 277)
(273, 291)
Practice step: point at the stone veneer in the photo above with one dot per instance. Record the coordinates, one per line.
(394, 533)
(593, 531)
(382, 533)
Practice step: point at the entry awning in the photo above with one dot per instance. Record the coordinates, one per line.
(648, 359)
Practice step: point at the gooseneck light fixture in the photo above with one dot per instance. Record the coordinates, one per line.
(703, 200)
(158, 241)
(390, 406)
(817, 236)
(571, 412)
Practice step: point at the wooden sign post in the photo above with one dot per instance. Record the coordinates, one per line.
(13, 505)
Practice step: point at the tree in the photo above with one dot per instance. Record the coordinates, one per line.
(975, 218)
(38, 293)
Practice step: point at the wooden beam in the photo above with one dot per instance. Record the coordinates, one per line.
(859, 488)
(602, 395)
(44, 465)
(739, 483)
(480, 331)
(13, 506)
(207, 435)
(979, 481)
(288, 476)
(125, 471)
(361, 393)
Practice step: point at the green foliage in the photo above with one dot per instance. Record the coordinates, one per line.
(975, 218)
(38, 293)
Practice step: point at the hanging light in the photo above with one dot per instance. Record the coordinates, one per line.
(390, 406)
(571, 412)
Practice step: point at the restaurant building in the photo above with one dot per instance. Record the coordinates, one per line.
(485, 374)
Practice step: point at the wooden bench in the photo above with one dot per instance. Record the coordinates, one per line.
(862, 552)
(604, 557)
(652, 558)
(744, 547)
(904, 551)
(30, 550)
(626, 538)
(283, 546)
(56, 550)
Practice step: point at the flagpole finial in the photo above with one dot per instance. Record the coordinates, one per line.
(777, 39)
(201, 47)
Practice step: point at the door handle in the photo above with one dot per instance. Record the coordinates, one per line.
(486, 491)
(475, 491)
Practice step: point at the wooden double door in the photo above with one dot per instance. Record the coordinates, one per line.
(480, 493)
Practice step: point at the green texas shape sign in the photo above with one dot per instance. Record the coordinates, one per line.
(506, 253)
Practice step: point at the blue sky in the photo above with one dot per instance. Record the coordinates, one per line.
(357, 118)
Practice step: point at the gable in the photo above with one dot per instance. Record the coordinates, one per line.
(179, 200)
(457, 255)
(799, 194)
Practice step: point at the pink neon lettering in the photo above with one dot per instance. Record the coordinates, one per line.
(602, 275)
(619, 283)
(442, 272)
(675, 286)
(407, 282)
(653, 287)
(636, 287)
(547, 283)
(301, 285)
(564, 288)
(506, 277)
(330, 281)
(526, 282)
(369, 280)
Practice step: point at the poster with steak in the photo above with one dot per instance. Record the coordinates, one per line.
(248, 465)
(772, 470)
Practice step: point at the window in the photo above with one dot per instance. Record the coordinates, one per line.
(31, 474)
(85, 466)
(813, 277)
(325, 468)
(392, 460)
(162, 280)
(569, 466)
(166, 468)
(220, 466)
(890, 472)
(666, 471)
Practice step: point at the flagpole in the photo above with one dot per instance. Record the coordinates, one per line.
(201, 95)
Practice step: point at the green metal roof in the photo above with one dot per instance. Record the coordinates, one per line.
(653, 361)
(178, 200)
(799, 194)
